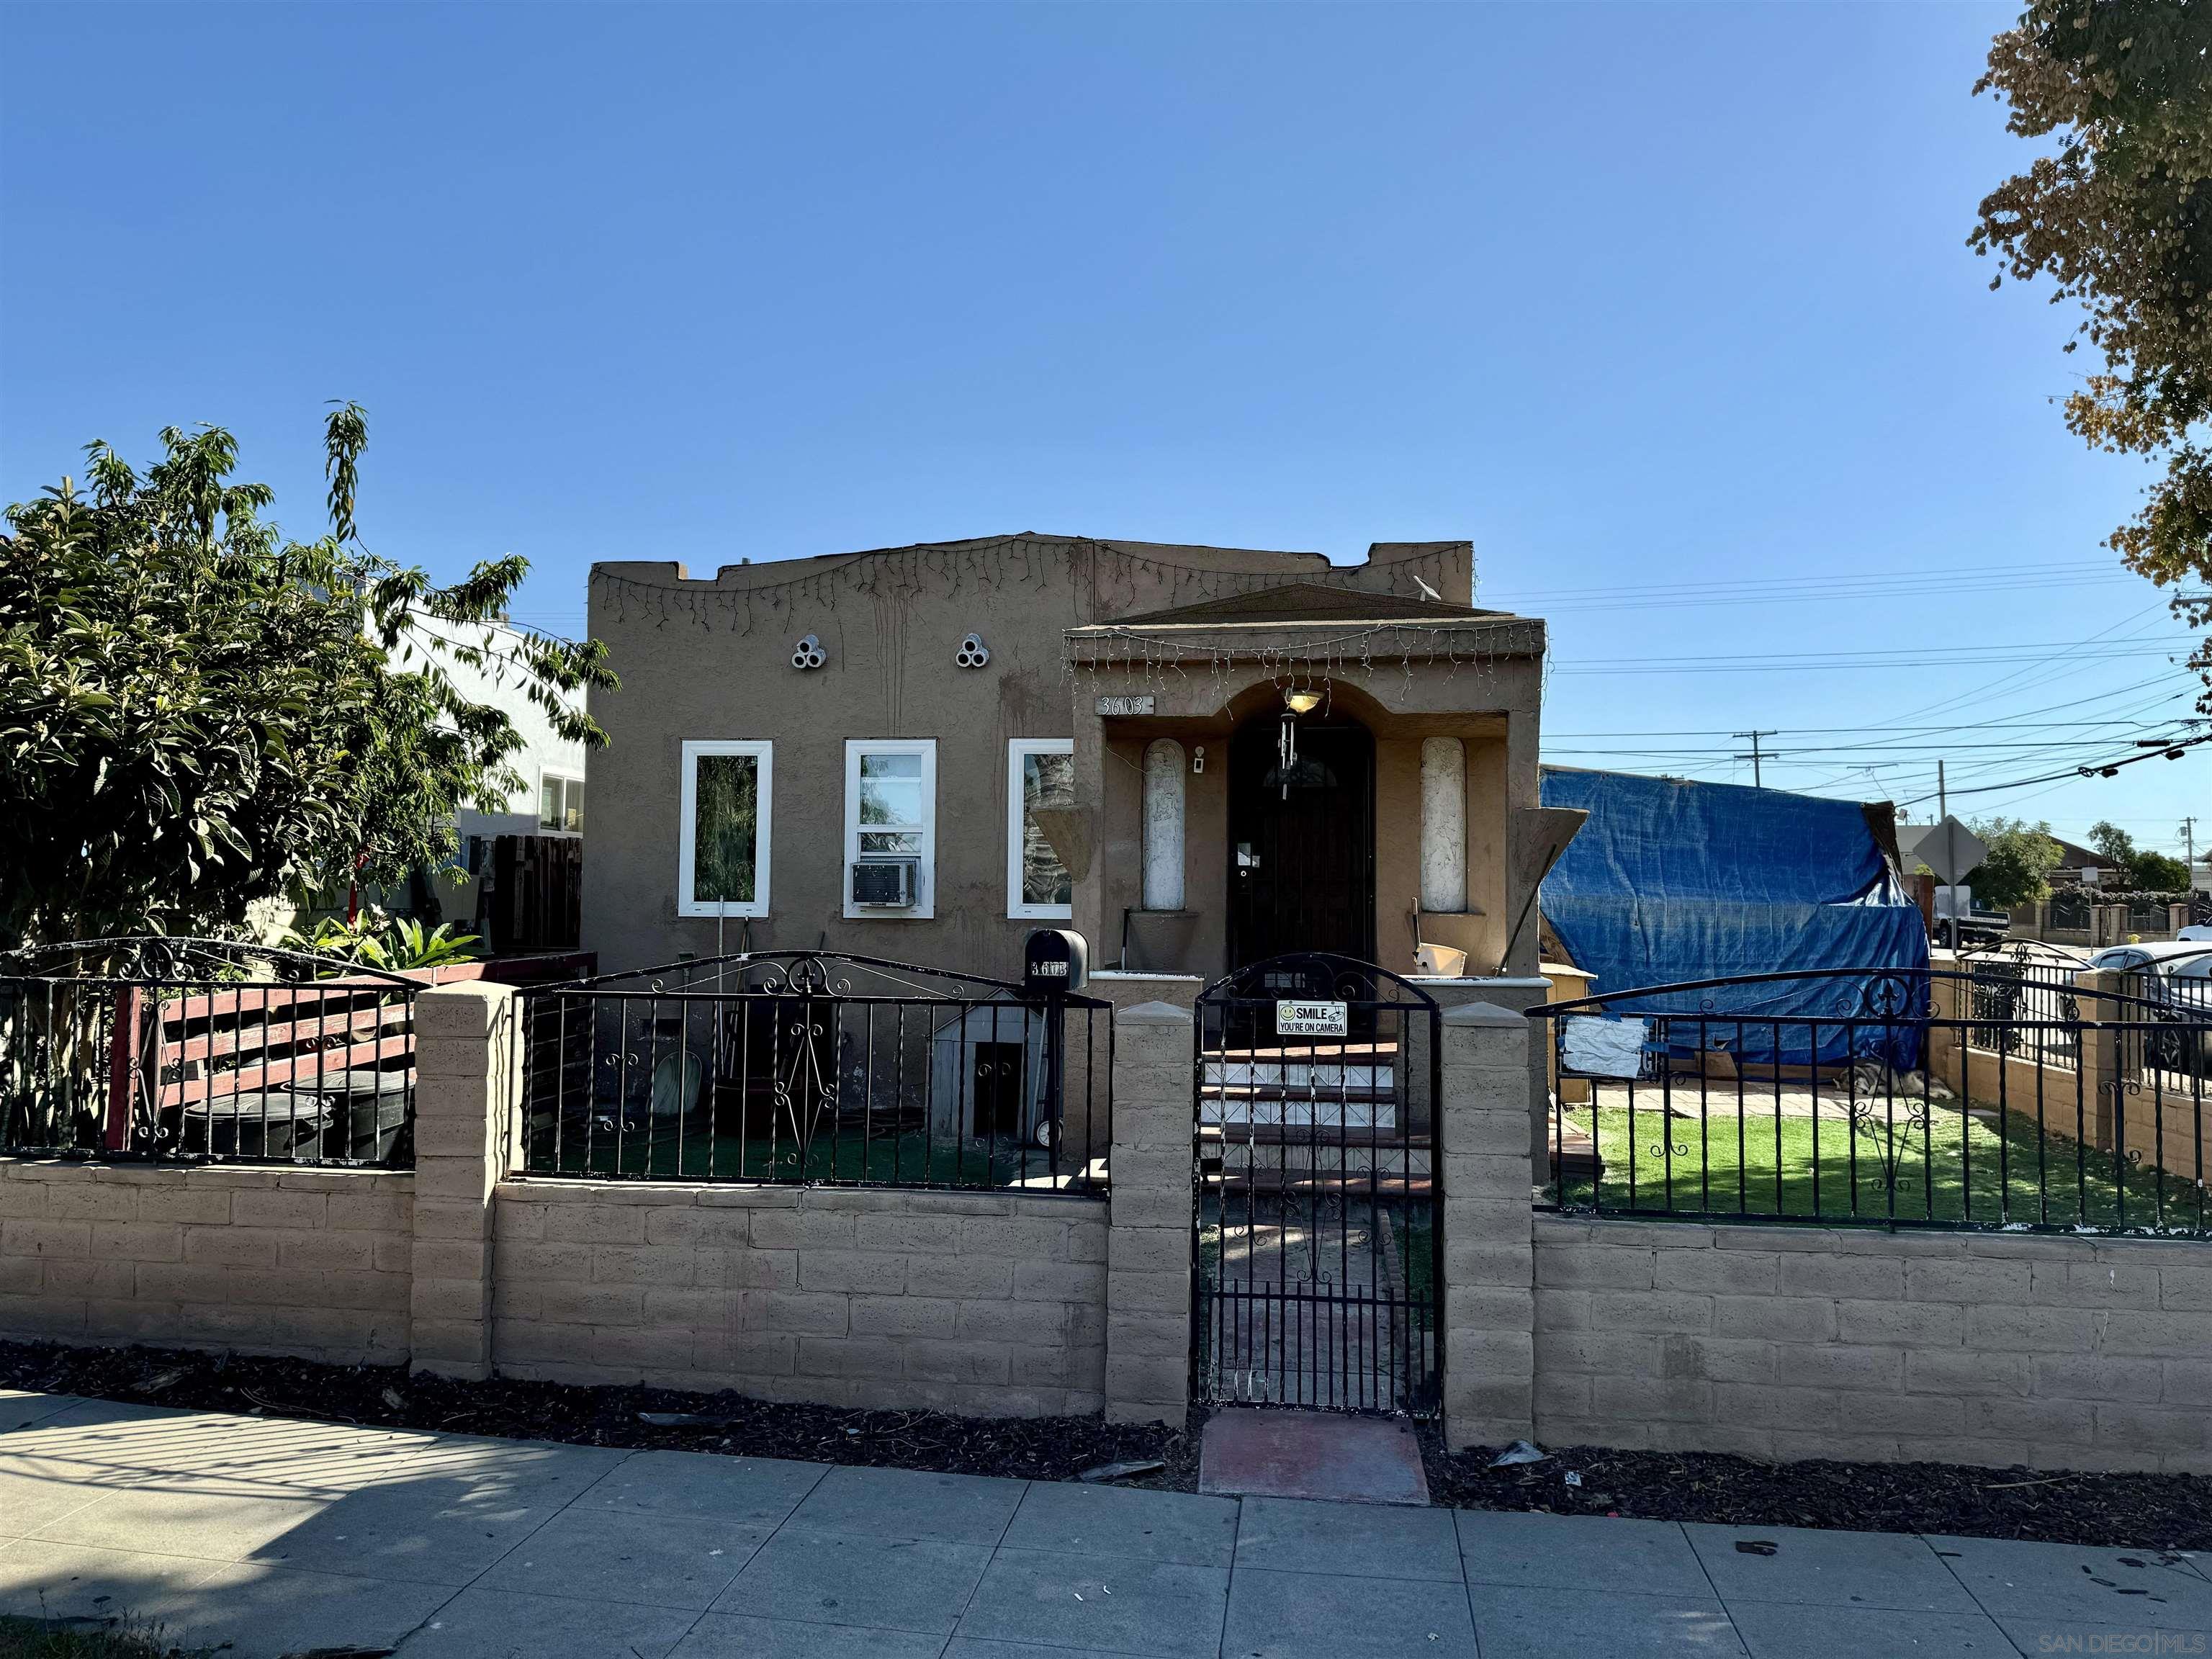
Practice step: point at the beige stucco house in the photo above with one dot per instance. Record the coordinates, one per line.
(1196, 756)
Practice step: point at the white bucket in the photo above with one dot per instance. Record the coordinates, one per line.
(1441, 961)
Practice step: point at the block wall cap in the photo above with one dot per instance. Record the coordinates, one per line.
(1495, 983)
(468, 990)
(1484, 1013)
(1153, 1013)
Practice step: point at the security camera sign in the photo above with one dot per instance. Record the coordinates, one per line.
(1309, 1018)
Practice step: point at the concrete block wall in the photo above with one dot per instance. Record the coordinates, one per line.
(1793, 1342)
(1780, 1341)
(988, 1304)
(313, 1263)
(1786, 1341)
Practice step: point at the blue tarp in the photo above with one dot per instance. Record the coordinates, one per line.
(1671, 881)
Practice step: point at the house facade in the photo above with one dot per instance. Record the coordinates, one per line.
(1197, 757)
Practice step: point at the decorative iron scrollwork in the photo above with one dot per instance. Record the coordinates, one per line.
(1891, 996)
(1878, 1119)
(803, 1090)
(808, 974)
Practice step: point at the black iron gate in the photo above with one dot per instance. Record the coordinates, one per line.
(1318, 1241)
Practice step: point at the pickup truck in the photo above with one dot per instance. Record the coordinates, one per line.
(1959, 922)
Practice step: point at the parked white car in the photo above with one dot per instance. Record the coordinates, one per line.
(2166, 959)
(2173, 979)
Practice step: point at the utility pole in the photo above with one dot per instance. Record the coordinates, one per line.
(1757, 782)
(1943, 804)
(2189, 840)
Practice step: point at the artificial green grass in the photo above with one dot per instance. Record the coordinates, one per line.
(1417, 1250)
(1994, 1171)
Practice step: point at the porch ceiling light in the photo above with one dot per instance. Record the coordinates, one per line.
(1302, 702)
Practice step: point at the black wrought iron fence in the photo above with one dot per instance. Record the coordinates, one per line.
(2069, 909)
(2173, 987)
(2021, 998)
(2152, 915)
(1991, 1095)
(192, 1049)
(1317, 1245)
(804, 1067)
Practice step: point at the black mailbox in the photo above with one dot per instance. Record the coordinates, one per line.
(1055, 961)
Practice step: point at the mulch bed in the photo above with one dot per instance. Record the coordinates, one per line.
(2124, 1511)
(2138, 1511)
(1027, 1448)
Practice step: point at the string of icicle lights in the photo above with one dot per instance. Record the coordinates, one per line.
(1391, 648)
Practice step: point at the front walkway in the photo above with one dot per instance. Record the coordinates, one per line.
(274, 1534)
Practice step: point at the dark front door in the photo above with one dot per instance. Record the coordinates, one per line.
(1301, 844)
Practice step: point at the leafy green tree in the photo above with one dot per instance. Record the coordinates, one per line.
(196, 712)
(2114, 845)
(2017, 867)
(2141, 868)
(2119, 215)
(2154, 872)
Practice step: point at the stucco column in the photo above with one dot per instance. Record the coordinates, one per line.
(1087, 908)
(1148, 1243)
(1522, 737)
(468, 1089)
(1490, 1296)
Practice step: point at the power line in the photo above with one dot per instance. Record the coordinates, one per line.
(1943, 703)
(1819, 755)
(2038, 652)
(2075, 736)
(2024, 717)
(2106, 768)
(2073, 733)
(1824, 589)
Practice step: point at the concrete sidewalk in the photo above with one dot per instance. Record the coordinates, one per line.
(274, 1534)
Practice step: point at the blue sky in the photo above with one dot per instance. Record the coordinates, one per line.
(1668, 308)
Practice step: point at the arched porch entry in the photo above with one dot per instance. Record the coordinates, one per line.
(1300, 837)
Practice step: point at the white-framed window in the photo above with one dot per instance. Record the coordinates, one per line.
(1040, 775)
(729, 789)
(890, 814)
(561, 802)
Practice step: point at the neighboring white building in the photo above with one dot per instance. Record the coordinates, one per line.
(551, 800)
(547, 800)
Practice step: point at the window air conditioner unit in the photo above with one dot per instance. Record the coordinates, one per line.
(885, 884)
